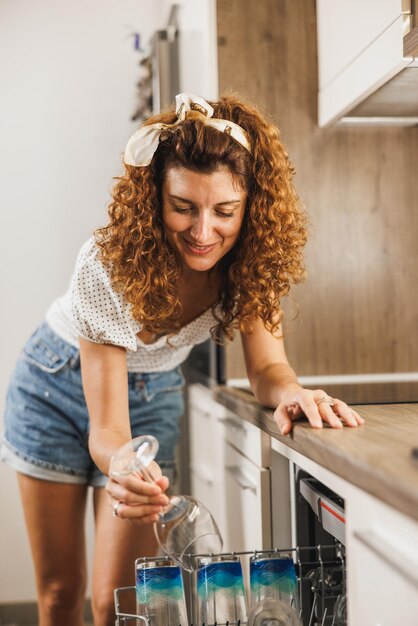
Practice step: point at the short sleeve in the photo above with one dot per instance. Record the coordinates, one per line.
(100, 314)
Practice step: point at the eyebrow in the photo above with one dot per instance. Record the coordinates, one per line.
(172, 196)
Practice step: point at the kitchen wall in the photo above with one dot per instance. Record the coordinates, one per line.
(358, 310)
(68, 79)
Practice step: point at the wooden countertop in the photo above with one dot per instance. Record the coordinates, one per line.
(376, 457)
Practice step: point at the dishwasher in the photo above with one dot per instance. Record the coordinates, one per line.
(318, 557)
(319, 521)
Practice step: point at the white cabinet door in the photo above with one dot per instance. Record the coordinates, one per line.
(346, 29)
(247, 438)
(247, 505)
(360, 47)
(382, 564)
(234, 487)
(207, 452)
(388, 593)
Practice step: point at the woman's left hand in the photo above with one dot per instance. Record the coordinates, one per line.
(317, 406)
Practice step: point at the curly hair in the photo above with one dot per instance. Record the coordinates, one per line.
(267, 257)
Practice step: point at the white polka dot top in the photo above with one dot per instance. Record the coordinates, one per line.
(93, 309)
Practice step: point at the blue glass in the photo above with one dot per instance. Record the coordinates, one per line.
(272, 576)
(160, 592)
(220, 591)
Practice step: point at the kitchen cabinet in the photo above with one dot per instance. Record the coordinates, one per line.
(207, 452)
(360, 47)
(381, 551)
(247, 490)
(229, 465)
(371, 470)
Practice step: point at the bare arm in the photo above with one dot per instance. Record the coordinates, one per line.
(105, 383)
(275, 384)
(267, 366)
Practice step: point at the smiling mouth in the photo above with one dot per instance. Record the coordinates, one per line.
(199, 249)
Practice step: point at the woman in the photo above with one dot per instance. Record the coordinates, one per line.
(205, 235)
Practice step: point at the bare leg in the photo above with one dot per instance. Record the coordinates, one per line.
(118, 544)
(54, 514)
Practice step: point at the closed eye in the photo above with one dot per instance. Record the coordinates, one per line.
(224, 214)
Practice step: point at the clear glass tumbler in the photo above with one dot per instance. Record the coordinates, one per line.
(220, 595)
(160, 592)
(273, 576)
(272, 612)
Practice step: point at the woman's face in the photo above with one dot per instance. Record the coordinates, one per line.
(202, 215)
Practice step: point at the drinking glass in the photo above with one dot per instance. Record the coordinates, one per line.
(273, 576)
(272, 612)
(160, 592)
(220, 595)
(185, 528)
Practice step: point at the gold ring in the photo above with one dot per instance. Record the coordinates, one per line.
(326, 399)
(115, 508)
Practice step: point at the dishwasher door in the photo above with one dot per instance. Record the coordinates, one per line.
(319, 519)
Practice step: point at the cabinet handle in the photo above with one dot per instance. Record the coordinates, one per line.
(203, 474)
(240, 478)
(390, 553)
(232, 423)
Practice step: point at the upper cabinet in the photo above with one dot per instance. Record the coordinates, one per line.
(364, 50)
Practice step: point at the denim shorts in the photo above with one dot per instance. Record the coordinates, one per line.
(46, 419)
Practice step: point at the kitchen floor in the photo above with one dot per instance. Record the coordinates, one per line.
(25, 614)
(25, 623)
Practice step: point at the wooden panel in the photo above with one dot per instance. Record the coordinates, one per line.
(410, 43)
(359, 306)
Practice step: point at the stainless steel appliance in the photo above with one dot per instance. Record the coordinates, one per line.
(165, 64)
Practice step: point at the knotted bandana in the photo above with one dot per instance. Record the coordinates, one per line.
(144, 142)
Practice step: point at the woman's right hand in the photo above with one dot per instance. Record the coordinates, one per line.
(133, 498)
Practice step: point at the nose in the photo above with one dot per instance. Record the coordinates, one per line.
(201, 229)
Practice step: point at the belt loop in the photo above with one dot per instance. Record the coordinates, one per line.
(75, 361)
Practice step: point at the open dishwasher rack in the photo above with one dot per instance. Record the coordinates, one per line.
(321, 575)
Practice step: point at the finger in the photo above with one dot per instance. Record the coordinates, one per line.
(136, 484)
(294, 411)
(122, 493)
(282, 419)
(137, 513)
(348, 415)
(328, 416)
(360, 420)
(163, 483)
(147, 519)
(311, 411)
(345, 413)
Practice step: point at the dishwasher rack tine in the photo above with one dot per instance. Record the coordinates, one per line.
(126, 617)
